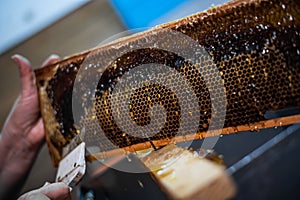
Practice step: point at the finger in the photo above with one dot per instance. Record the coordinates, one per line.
(26, 74)
(56, 191)
(50, 60)
(46, 183)
(59, 194)
(34, 196)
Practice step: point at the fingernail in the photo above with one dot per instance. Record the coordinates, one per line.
(51, 59)
(17, 58)
(62, 184)
(54, 56)
(46, 183)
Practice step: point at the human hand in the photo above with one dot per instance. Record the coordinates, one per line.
(24, 125)
(54, 191)
(23, 132)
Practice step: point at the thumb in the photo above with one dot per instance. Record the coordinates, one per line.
(34, 196)
(57, 191)
(54, 191)
(26, 75)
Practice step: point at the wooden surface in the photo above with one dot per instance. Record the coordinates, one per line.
(277, 122)
(81, 30)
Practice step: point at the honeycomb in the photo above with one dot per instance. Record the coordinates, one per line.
(255, 46)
